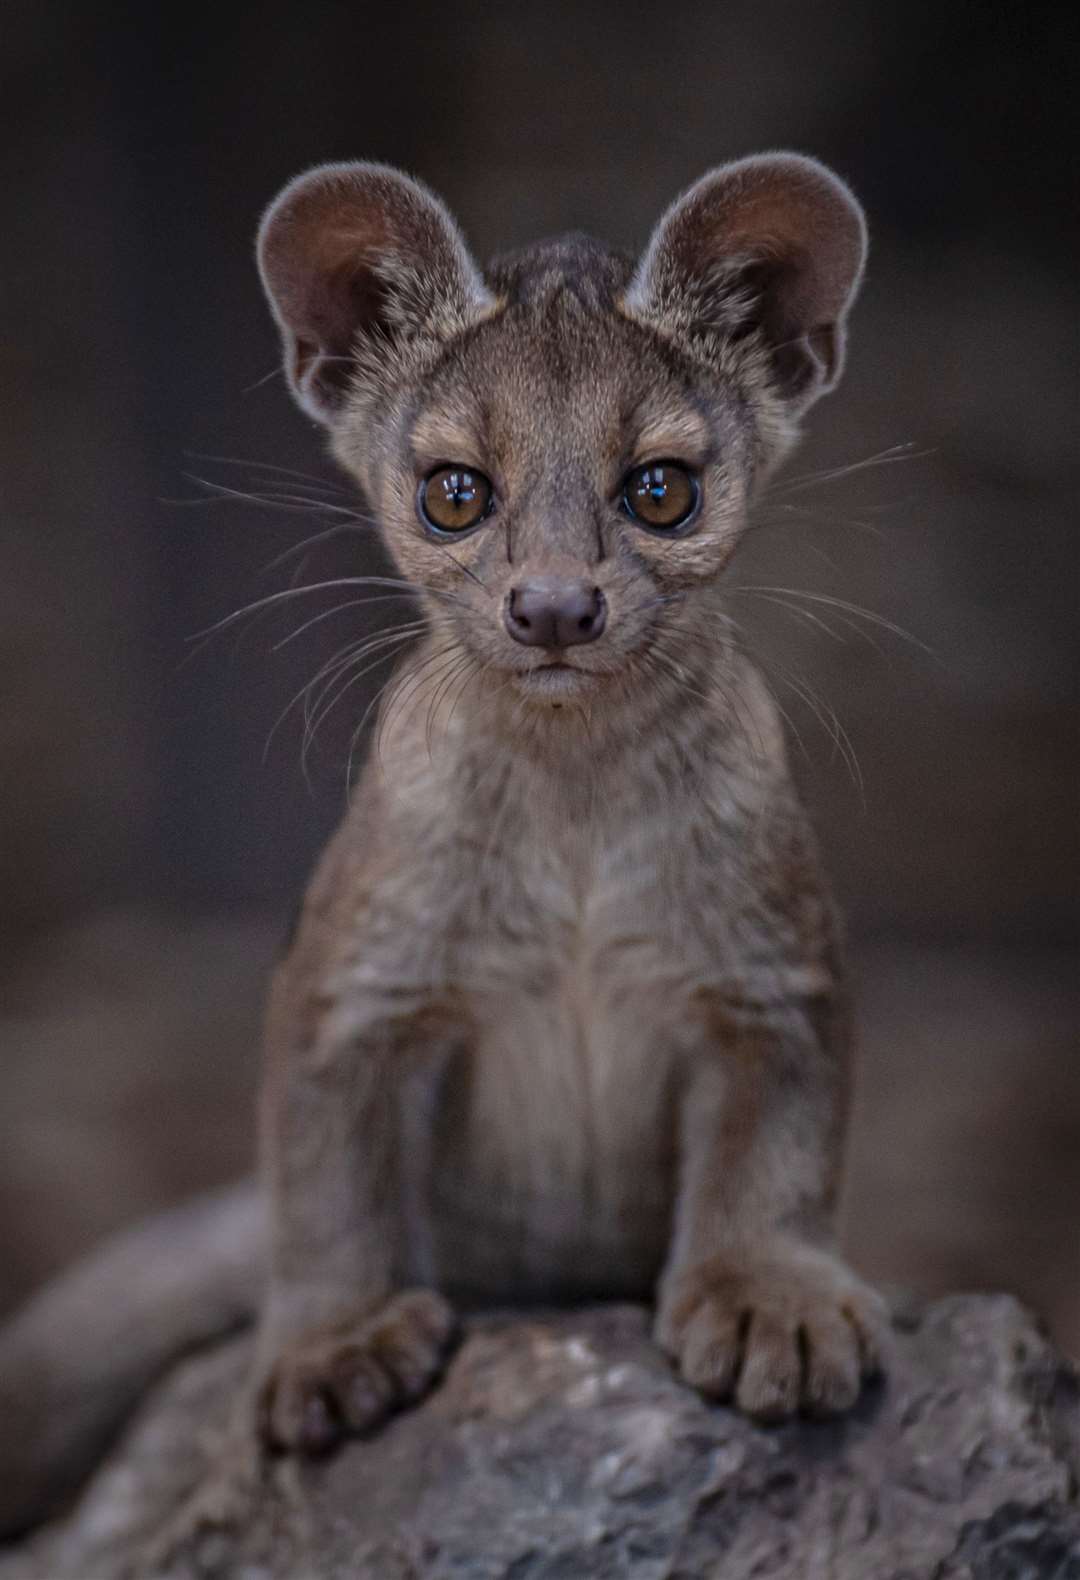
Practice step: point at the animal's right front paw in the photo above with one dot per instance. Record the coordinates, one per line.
(347, 1377)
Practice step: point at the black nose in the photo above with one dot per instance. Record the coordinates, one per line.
(549, 612)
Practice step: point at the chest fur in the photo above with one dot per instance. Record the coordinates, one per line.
(557, 1113)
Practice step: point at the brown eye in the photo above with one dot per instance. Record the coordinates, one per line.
(454, 499)
(662, 495)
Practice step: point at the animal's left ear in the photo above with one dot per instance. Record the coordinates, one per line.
(774, 244)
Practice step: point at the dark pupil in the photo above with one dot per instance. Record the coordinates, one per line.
(460, 489)
(659, 496)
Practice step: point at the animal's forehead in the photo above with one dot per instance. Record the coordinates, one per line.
(559, 371)
(572, 266)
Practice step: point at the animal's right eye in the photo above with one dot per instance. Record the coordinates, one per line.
(454, 499)
(662, 496)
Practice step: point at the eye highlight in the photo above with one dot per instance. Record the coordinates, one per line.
(454, 499)
(662, 495)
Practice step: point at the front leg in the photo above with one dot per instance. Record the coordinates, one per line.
(754, 1304)
(343, 1341)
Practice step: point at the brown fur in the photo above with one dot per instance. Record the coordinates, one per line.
(564, 1017)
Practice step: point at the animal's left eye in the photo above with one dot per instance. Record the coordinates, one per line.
(662, 496)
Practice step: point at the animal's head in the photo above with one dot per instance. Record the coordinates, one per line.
(560, 451)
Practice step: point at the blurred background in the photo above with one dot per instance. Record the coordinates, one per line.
(152, 842)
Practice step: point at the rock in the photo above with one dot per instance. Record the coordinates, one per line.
(561, 1447)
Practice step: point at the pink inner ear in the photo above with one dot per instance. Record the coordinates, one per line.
(321, 313)
(321, 247)
(802, 220)
(341, 295)
(308, 256)
(801, 236)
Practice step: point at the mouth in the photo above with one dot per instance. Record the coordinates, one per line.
(556, 680)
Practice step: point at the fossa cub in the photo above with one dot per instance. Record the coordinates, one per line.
(564, 1017)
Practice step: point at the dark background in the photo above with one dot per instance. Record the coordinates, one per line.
(149, 853)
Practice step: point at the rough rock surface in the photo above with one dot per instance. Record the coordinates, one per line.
(560, 1447)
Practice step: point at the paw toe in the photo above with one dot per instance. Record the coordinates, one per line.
(364, 1390)
(318, 1429)
(869, 1320)
(410, 1339)
(711, 1352)
(297, 1415)
(832, 1374)
(768, 1386)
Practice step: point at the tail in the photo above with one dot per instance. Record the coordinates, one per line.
(78, 1357)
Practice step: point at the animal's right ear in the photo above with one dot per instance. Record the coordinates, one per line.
(355, 257)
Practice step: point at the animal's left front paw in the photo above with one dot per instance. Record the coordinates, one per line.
(786, 1329)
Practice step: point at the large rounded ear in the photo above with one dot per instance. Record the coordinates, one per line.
(775, 244)
(356, 258)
